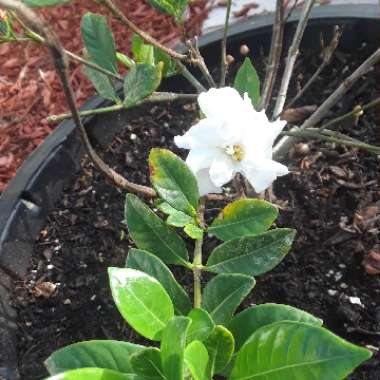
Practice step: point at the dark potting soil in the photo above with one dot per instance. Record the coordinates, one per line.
(331, 197)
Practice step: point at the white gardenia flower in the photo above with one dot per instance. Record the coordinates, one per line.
(232, 138)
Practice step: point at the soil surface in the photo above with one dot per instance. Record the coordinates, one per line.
(331, 197)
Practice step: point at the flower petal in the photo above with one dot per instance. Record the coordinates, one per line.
(204, 183)
(222, 169)
(201, 158)
(262, 172)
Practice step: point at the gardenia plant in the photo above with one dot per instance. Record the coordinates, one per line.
(211, 336)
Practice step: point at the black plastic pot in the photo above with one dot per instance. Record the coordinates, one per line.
(39, 183)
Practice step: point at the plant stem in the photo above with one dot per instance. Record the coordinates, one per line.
(197, 262)
(145, 36)
(274, 56)
(223, 61)
(39, 39)
(190, 77)
(292, 57)
(155, 97)
(286, 142)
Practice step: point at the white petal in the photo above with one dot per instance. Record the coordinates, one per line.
(206, 133)
(198, 159)
(261, 173)
(222, 169)
(220, 102)
(204, 183)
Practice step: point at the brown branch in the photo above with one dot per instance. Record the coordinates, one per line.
(145, 36)
(286, 142)
(327, 54)
(60, 63)
(291, 10)
(223, 58)
(274, 55)
(292, 57)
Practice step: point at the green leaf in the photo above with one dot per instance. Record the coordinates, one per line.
(164, 207)
(98, 41)
(102, 84)
(125, 60)
(147, 364)
(196, 359)
(243, 217)
(201, 325)
(93, 374)
(244, 324)
(175, 8)
(44, 3)
(142, 53)
(252, 255)
(152, 234)
(173, 346)
(173, 180)
(296, 351)
(193, 231)
(141, 300)
(224, 293)
(179, 219)
(220, 346)
(107, 354)
(140, 81)
(170, 67)
(247, 80)
(152, 265)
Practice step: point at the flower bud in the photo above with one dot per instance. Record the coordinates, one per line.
(244, 49)
(230, 59)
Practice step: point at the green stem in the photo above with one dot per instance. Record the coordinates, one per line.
(223, 62)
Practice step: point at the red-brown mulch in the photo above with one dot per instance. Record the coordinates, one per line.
(30, 89)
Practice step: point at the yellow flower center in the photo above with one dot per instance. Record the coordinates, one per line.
(235, 151)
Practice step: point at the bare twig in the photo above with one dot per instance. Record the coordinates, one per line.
(60, 63)
(223, 59)
(327, 54)
(291, 10)
(145, 36)
(274, 55)
(154, 98)
(190, 77)
(286, 142)
(292, 57)
(197, 59)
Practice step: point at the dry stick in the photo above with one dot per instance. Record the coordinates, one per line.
(292, 57)
(223, 59)
(285, 143)
(292, 9)
(145, 36)
(154, 98)
(60, 63)
(274, 55)
(37, 38)
(190, 77)
(327, 55)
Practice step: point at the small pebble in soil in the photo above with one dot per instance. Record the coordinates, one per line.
(356, 301)
(332, 292)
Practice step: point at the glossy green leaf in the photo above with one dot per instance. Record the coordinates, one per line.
(98, 41)
(220, 346)
(201, 325)
(108, 354)
(93, 374)
(252, 255)
(164, 207)
(152, 265)
(224, 293)
(179, 219)
(196, 360)
(244, 324)
(296, 351)
(170, 67)
(173, 346)
(141, 300)
(152, 234)
(125, 60)
(173, 180)
(247, 81)
(142, 52)
(44, 3)
(147, 364)
(243, 217)
(140, 81)
(102, 84)
(193, 231)
(175, 8)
